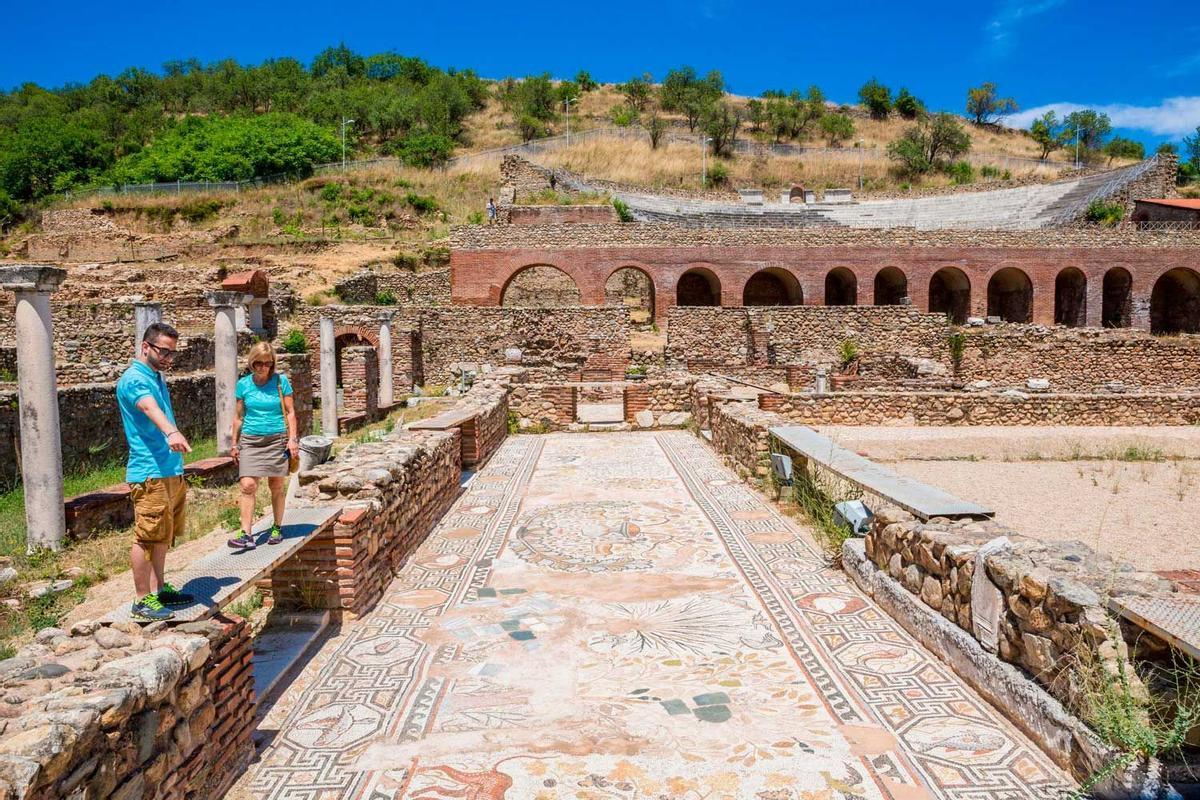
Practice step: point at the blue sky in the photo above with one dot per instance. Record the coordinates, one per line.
(1139, 62)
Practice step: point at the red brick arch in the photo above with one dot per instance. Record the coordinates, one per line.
(369, 336)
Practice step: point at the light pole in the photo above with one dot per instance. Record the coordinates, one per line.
(345, 122)
(704, 161)
(567, 103)
(859, 144)
(1076, 147)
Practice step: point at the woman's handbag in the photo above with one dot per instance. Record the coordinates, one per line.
(293, 460)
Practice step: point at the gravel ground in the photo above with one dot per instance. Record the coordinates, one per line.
(1142, 512)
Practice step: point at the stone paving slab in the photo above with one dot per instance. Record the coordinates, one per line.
(617, 616)
(918, 498)
(218, 578)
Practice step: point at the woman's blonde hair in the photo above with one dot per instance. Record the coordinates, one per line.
(262, 351)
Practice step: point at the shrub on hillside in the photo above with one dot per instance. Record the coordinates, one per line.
(876, 98)
(10, 210)
(424, 149)
(929, 143)
(908, 106)
(623, 116)
(623, 213)
(230, 148)
(961, 172)
(385, 297)
(837, 128)
(718, 174)
(421, 203)
(1103, 213)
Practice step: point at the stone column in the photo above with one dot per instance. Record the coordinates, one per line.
(225, 369)
(144, 315)
(386, 392)
(329, 425)
(37, 392)
(255, 310)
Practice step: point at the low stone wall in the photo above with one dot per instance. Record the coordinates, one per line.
(394, 490)
(740, 434)
(119, 713)
(984, 408)
(92, 432)
(663, 402)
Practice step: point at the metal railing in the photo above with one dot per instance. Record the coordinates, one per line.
(1108, 189)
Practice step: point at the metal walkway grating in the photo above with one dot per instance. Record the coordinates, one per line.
(1176, 619)
(219, 577)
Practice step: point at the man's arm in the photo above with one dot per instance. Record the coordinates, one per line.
(175, 440)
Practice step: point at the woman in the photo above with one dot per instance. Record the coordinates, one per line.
(264, 438)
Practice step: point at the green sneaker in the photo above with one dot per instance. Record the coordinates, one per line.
(168, 595)
(149, 609)
(276, 535)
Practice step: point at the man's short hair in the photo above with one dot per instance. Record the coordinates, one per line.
(158, 330)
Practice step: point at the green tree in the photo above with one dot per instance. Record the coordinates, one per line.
(837, 128)
(425, 149)
(637, 92)
(721, 123)
(1048, 134)
(1191, 148)
(1167, 148)
(876, 98)
(585, 81)
(332, 59)
(907, 105)
(985, 105)
(1090, 128)
(685, 92)
(932, 142)
(1120, 147)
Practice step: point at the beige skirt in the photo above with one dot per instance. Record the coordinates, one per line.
(263, 456)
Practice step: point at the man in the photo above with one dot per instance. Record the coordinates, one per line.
(154, 471)
(491, 211)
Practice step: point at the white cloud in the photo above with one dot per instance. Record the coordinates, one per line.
(1175, 117)
(1000, 28)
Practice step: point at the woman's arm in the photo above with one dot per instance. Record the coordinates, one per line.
(290, 421)
(236, 432)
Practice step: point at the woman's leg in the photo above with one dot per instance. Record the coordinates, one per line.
(278, 497)
(249, 488)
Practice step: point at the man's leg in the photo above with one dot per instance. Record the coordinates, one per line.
(158, 564)
(141, 570)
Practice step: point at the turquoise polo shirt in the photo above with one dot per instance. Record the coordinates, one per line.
(264, 412)
(149, 454)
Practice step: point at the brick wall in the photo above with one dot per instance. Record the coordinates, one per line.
(360, 380)
(484, 259)
(295, 367)
(90, 421)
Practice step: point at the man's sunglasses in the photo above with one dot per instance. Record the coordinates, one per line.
(164, 352)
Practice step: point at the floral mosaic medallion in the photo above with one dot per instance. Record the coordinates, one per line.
(627, 620)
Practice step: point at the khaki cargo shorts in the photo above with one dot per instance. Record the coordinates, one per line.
(158, 510)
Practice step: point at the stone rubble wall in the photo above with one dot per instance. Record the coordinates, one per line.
(1052, 594)
(562, 215)
(984, 408)
(543, 407)
(740, 434)
(800, 334)
(92, 432)
(555, 342)
(661, 402)
(1077, 359)
(507, 237)
(360, 380)
(295, 367)
(124, 713)
(421, 289)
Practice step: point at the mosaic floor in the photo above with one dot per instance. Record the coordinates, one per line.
(616, 616)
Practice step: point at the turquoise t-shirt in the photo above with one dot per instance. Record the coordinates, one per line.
(264, 413)
(149, 454)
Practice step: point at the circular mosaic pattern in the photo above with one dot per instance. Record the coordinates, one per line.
(600, 536)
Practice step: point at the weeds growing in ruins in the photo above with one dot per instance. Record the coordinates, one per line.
(1138, 726)
(247, 605)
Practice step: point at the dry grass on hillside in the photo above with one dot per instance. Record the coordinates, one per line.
(678, 166)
